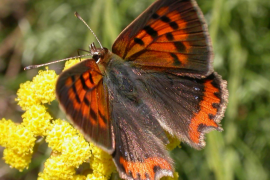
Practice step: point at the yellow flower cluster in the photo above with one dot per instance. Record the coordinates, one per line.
(39, 91)
(69, 148)
(19, 142)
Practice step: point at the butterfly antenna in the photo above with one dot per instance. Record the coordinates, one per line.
(49, 63)
(80, 18)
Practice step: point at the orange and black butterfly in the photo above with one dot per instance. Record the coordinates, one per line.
(158, 77)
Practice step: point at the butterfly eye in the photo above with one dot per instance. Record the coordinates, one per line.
(96, 57)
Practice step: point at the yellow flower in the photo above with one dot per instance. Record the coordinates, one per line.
(6, 128)
(45, 83)
(26, 95)
(40, 90)
(37, 119)
(17, 160)
(60, 132)
(19, 142)
(66, 140)
(101, 162)
(96, 176)
(56, 169)
(71, 63)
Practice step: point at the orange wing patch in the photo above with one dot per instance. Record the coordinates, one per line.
(147, 169)
(103, 110)
(205, 117)
(151, 32)
(165, 59)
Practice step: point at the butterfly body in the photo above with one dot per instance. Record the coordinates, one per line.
(158, 78)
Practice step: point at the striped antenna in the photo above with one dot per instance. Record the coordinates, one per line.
(49, 63)
(40, 65)
(80, 18)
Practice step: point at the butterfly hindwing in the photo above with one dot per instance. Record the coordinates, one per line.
(185, 107)
(84, 98)
(170, 36)
(140, 153)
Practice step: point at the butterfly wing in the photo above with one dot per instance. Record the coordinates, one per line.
(84, 98)
(171, 36)
(185, 107)
(140, 152)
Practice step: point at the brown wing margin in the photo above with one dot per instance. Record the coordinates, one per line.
(172, 36)
(84, 98)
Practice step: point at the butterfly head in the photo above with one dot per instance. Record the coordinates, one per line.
(98, 53)
(101, 56)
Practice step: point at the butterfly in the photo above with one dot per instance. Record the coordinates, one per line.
(158, 77)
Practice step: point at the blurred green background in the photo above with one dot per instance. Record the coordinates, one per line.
(33, 32)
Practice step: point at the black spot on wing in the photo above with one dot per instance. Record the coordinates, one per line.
(93, 115)
(147, 175)
(217, 94)
(215, 81)
(211, 116)
(102, 117)
(176, 61)
(86, 101)
(91, 78)
(165, 19)
(75, 90)
(180, 46)
(85, 87)
(130, 173)
(169, 36)
(153, 33)
(155, 16)
(156, 169)
(201, 127)
(138, 41)
(138, 176)
(174, 25)
(215, 105)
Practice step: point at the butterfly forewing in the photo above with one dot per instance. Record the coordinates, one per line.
(84, 97)
(170, 36)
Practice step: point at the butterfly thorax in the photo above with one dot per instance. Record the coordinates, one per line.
(115, 71)
(105, 60)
